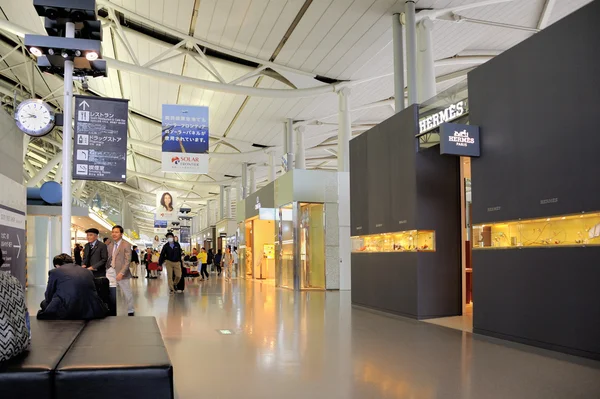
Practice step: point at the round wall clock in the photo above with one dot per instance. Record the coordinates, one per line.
(34, 118)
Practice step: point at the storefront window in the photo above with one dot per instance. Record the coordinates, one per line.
(312, 245)
(286, 246)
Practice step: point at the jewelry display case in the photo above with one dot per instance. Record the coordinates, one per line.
(568, 230)
(402, 241)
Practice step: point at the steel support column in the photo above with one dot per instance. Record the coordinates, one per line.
(289, 137)
(271, 167)
(300, 150)
(411, 51)
(222, 202)
(67, 148)
(426, 86)
(244, 180)
(398, 38)
(252, 180)
(344, 130)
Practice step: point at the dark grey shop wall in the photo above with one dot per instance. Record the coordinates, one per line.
(546, 297)
(395, 188)
(537, 106)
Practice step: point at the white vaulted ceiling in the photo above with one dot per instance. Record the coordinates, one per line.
(309, 43)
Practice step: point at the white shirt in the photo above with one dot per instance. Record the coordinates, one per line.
(235, 257)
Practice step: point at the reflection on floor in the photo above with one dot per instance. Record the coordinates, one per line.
(462, 323)
(315, 345)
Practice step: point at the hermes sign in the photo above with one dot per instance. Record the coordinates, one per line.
(462, 140)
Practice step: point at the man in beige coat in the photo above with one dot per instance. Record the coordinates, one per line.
(117, 266)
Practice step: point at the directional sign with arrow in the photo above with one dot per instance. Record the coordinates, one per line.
(84, 104)
(12, 239)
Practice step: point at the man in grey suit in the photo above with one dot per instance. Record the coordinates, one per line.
(119, 258)
(95, 254)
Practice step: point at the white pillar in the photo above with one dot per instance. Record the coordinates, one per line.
(271, 166)
(227, 202)
(344, 130)
(398, 63)
(290, 143)
(67, 148)
(252, 180)
(244, 180)
(208, 221)
(222, 203)
(300, 151)
(411, 51)
(426, 85)
(239, 191)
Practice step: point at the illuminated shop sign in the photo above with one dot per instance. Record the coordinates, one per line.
(457, 139)
(449, 114)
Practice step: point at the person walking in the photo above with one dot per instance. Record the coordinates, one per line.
(218, 260)
(95, 254)
(227, 264)
(236, 260)
(119, 259)
(147, 261)
(135, 262)
(210, 260)
(203, 258)
(170, 256)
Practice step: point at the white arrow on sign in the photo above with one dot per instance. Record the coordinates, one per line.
(18, 246)
(84, 104)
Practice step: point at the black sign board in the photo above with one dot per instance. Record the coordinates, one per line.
(184, 235)
(462, 140)
(100, 150)
(12, 242)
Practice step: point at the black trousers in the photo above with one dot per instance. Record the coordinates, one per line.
(203, 270)
(219, 268)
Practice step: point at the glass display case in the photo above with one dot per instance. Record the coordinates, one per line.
(568, 230)
(402, 241)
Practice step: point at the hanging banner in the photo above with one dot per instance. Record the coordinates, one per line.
(184, 139)
(184, 235)
(100, 149)
(167, 208)
(160, 226)
(12, 228)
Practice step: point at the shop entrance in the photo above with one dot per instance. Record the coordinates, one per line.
(260, 249)
(465, 321)
(312, 246)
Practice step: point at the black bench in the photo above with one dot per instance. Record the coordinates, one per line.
(31, 374)
(118, 357)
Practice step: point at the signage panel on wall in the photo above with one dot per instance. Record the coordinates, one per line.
(457, 139)
(447, 114)
(160, 226)
(166, 206)
(12, 228)
(184, 139)
(100, 149)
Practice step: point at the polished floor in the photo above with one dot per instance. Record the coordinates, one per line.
(251, 340)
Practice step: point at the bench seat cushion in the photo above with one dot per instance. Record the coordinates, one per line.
(30, 375)
(118, 357)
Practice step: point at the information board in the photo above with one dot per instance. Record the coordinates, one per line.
(100, 149)
(12, 228)
(184, 235)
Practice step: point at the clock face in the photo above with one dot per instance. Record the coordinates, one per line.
(34, 117)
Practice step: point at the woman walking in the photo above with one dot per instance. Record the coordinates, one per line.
(227, 264)
(218, 260)
(203, 258)
(210, 260)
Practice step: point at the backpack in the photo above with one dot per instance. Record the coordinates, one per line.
(14, 332)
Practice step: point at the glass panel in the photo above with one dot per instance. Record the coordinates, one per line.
(287, 246)
(568, 230)
(248, 253)
(402, 241)
(312, 245)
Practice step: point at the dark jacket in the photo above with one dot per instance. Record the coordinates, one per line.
(218, 258)
(96, 258)
(134, 257)
(170, 254)
(71, 295)
(77, 255)
(210, 257)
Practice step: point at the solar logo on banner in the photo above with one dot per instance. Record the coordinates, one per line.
(185, 139)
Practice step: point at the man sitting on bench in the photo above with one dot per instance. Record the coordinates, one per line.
(71, 293)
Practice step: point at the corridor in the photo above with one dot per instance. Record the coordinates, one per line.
(252, 340)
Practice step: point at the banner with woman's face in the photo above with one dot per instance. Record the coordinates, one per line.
(167, 207)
